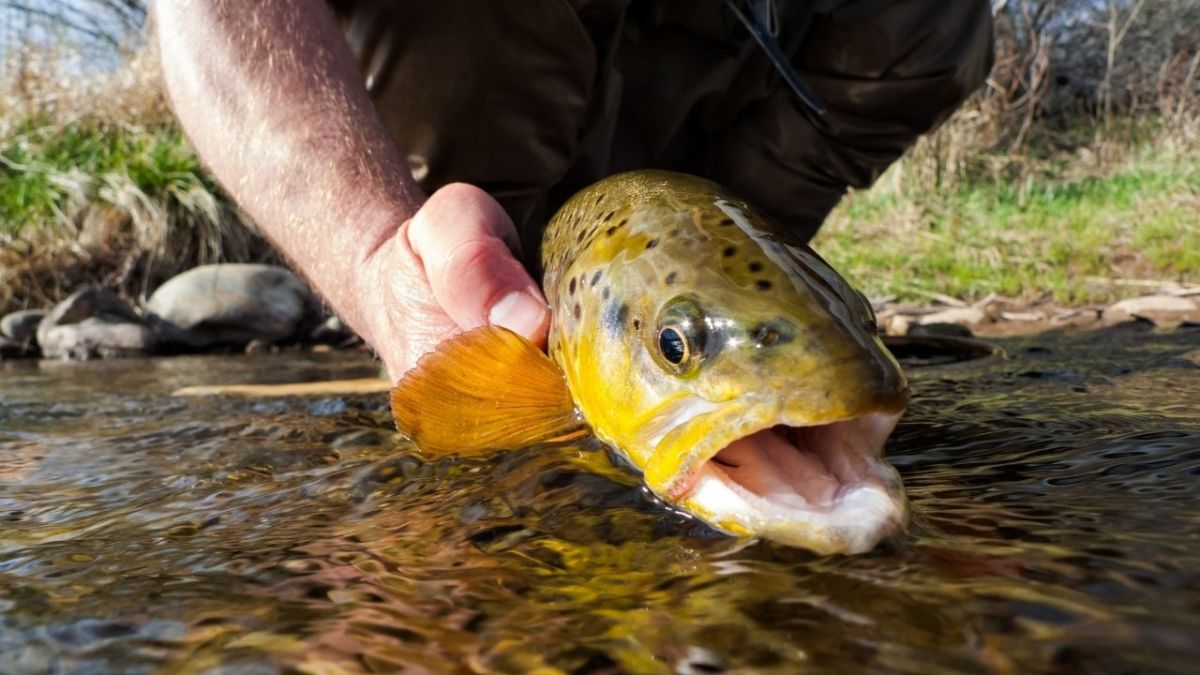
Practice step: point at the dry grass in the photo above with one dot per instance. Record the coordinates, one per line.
(97, 184)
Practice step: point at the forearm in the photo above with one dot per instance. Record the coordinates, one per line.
(270, 95)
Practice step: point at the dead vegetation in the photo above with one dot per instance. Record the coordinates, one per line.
(97, 184)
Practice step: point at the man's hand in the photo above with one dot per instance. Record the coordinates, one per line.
(450, 268)
(271, 97)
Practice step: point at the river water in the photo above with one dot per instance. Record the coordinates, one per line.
(1056, 528)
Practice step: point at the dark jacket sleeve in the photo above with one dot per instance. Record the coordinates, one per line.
(887, 71)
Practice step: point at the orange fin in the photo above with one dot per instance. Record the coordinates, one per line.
(486, 389)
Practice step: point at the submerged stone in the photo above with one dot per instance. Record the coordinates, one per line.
(230, 304)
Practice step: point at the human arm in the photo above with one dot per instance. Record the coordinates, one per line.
(270, 96)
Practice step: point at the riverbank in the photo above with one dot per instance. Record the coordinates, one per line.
(98, 187)
(1075, 233)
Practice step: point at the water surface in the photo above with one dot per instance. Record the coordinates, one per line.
(1056, 527)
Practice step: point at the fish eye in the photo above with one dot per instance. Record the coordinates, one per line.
(681, 336)
(672, 345)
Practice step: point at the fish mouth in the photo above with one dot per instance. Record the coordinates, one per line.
(824, 487)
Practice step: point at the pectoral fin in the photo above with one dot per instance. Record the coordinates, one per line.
(486, 389)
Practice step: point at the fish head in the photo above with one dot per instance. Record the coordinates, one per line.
(776, 407)
(755, 392)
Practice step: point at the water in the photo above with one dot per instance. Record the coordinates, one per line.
(1056, 528)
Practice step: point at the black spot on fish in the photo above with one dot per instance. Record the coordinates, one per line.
(637, 324)
(578, 311)
(670, 278)
(763, 285)
(605, 293)
(615, 316)
(596, 278)
(582, 234)
(622, 223)
(756, 266)
(652, 243)
(611, 230)
(608, 216)
(599, 198)
(729, 251)
(571, 288)
(726, 221)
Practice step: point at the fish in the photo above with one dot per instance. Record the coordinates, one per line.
(708, 348)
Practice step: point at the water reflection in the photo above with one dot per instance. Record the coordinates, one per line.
(1055, 525)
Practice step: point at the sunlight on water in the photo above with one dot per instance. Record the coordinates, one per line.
(1056, 528)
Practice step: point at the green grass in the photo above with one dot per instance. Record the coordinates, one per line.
(49, 174)
(107, 190)
(1066, 237)
(121, 205)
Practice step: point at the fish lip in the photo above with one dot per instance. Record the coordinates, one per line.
(866, 506)
(684, 482)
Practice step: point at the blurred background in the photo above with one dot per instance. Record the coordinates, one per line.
(1071, 177)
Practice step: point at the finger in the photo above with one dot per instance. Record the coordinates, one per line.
(461, 235)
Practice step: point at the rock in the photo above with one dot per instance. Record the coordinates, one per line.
(897, 324)
(97, 337)
(963, 316)
(1163, 310)
(21, 327)
(93, 322)
(257, 346)
(11, 349)
(230, 304)
(1022, 316)
(940, 330)
(1086, 317)
(331, 331)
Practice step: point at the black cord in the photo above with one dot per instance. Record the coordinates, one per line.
(761, 24)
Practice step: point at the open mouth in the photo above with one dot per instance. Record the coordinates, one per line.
(825, 487)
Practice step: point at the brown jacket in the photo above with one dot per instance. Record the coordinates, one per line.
(532, 105)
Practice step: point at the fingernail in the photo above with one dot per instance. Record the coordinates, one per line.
(519, 312)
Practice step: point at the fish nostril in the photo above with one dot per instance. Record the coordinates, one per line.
(772, 333)
(766, 335)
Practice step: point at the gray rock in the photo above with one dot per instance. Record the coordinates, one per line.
(331, 331)
(11, 349)
(93, 322)
(1163, 310)
(940, 330)
(22, 326)
(230, 304)
(97, 337)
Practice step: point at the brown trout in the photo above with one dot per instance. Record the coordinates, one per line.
(735, 369)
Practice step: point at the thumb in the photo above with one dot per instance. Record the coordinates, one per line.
(462, 237)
